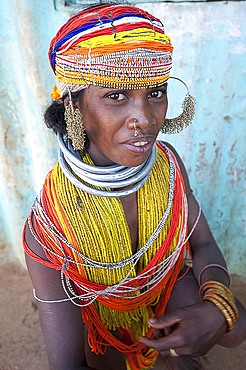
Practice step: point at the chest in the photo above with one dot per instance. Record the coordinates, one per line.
(130, 207)
(113, 229)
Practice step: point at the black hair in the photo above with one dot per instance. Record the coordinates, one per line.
(54, 114)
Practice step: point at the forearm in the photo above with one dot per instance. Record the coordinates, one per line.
(203, 257)
(204, 248)
(209, 254)
(238, 334)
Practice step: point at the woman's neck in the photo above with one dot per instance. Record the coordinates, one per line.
(99, 159)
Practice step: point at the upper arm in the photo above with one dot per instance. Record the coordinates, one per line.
(61, 323)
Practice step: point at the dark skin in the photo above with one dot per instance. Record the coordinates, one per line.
(109, 122)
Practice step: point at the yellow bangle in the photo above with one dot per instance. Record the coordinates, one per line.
(227, 307)
(223, 311)
(223, 298)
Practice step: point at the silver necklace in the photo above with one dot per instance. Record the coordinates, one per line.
(111, 177)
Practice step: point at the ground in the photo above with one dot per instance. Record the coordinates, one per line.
(21, 343)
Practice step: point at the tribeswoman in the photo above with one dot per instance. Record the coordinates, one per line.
(111, 236)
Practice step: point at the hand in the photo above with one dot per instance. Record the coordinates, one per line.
(192, 330)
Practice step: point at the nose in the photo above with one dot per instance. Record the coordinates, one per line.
(140, 117)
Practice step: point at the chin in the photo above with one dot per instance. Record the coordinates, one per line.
(137, 161)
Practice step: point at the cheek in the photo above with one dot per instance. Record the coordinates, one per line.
(98, 130)
(90, 126)
(165, 106)
(160, 114)
(164, 110)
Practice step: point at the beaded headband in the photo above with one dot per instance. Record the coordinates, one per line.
(110, 46)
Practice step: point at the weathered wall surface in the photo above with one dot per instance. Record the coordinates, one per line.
(209, 54)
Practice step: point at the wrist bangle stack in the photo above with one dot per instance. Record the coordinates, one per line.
(214, 265)
(222, 298)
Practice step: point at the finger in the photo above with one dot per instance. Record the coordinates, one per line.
(156, 333)
(167, 330)
(163, 344)
(160, 333)
(164, 321)
(167, 353)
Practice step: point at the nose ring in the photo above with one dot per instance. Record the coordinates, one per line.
(135, 128)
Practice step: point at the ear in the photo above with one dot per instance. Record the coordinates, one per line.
(66, 101)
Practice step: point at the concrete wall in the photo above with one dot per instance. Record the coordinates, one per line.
(209, 54)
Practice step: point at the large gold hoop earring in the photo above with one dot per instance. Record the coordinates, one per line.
(75, 127)
(177, 124)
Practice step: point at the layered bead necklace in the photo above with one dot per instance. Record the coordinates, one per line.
(103, 246)
(91, 245)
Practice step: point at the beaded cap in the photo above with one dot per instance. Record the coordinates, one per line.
(111, 46)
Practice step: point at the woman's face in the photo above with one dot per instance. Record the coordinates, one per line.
(109, 115)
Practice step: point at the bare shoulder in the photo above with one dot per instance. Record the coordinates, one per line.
(33, 244)
(181, 166)
(40, 272)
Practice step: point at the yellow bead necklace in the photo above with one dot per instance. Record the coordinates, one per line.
(102, 233)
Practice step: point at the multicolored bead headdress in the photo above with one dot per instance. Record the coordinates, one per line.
(111, 46)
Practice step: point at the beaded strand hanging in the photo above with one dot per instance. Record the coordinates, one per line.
(92, 247)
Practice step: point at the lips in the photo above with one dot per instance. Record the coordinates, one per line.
(140, 139)
(140, 144)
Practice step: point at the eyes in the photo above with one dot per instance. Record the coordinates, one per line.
(158, 93)
(116, 96)
(155, 94)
